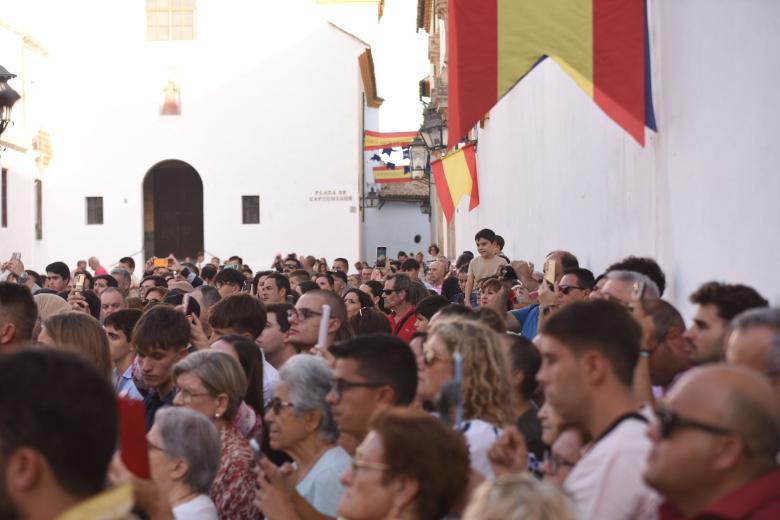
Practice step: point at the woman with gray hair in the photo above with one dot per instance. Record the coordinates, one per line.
(301, 424)
(213, 384)
(184, 454)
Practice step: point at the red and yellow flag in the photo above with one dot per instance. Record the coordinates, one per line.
(602, 44)
(456, 177)
(380, 140)
(386, 175)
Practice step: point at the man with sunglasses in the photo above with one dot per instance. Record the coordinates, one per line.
(372, 372)
(306, 316)
(715, 446)
(399, 301)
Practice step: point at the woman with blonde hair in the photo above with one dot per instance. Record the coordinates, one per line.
(80, 333)
(486, 390)
(518, 496)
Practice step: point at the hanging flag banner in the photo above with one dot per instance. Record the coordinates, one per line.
(383, 140)
(602, 44)
(387, 175)
(456, 177)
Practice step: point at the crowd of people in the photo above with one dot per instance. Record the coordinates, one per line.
(423, 388)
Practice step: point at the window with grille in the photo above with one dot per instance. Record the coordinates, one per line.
(170, 20)
(94, 210)
(251, 209)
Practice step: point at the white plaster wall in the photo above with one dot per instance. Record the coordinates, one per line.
(701, 197)
(271, 106)
(395, 226)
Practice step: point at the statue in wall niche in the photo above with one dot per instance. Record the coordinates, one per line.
(172, 103)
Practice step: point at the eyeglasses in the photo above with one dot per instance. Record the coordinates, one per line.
(339, 386)
(302, 314)
(378, 466)
(186, 395)
(277, 404)
(553, 462)
(429, 356)
(670, 421)
(566, 289)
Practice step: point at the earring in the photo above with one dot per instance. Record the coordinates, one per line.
(216, 415)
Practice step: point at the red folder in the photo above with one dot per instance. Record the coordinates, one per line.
(132, 437)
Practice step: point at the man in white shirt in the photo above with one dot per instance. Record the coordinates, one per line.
(589, 352)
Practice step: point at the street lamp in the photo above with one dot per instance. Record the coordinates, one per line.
(8, 97)
(371, 199)
(418, 158)
(434, 130)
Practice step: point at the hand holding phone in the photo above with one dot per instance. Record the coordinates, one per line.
(381, 256)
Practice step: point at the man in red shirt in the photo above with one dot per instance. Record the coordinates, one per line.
(715, 446)
(398, 300)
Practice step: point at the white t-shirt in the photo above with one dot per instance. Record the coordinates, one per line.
(321, 487)
(199, 508)
(270, 380)
(480, 436)
(607, 482)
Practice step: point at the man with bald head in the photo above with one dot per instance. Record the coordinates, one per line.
(437, 271)
(715, 446)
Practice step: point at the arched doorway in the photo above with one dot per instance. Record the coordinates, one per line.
(173, 210)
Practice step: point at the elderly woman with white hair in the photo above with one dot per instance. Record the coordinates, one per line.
(184, 452)
(301, 424)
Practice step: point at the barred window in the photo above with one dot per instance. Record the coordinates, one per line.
(170, 20)
(250, 209)
(94, 210)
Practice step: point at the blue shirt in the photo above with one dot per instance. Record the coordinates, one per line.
(529, 320)
(124, 383)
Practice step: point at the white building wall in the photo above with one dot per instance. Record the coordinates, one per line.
(271, 100)
(395, 226)
(701, 197)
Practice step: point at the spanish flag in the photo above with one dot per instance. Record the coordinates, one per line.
(382, 140)
(456, 177)
(602, 44)
(387, 175)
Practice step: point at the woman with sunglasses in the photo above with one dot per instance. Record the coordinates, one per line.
(301, 424)
(486, 390)
(213, 384)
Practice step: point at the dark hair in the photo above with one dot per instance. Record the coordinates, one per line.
(281, 282)
(417, 446)
(256, 279)
(338, 274)
(192, 267)
(235, 257)
(110, 280)
(159, 281)
(644, 265)
(500, 241)
(370, 321)
(410, 264)
(584, 277)
(17, 305)
(240, 312)
(230, 276)
(280, 311)
(434, 246)
(525, 357)
(328, 276)
(93, 301)
(129, 261)
(162, 327)
(730, 299)
(39, 281)
(177, 298)
(450, 288)
(300, 273)
(487, 234)
(59, 424)
(430, 304)
(402, 282)
(454, 309)
(400, 254)
(337, 311)
(60, 268)
(251, 361)
(600, 325)
(664, 316)
(208, 272)
(375, 286)
(123, 320)
(383, 358)
(364, 299)
(308, 285)
(344, 260)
